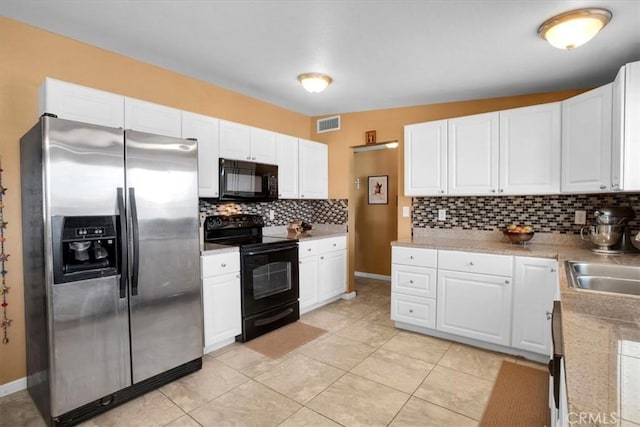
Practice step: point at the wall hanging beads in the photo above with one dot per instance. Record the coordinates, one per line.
(4, 289)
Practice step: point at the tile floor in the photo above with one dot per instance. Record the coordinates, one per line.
(363, 372)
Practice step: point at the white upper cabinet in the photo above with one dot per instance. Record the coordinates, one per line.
(152, 118)
(287, 147)
(235, 141)
(586, 141)
(530, 150)
(241, 142)
(82, 104)
(425, 159)
(625, 157)
(473, 154)
(205, 130)
(313, 170)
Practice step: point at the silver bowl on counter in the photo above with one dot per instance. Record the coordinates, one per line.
(603, 236)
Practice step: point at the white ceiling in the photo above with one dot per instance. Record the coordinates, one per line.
(381, 54)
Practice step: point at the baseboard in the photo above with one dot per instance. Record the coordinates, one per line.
(372, 276)
(350, 295)
(13, 386)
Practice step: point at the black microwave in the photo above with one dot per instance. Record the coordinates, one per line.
(248, 181)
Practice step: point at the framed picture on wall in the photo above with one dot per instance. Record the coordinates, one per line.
(379, 190)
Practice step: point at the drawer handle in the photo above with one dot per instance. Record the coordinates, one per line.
(223, 265)
(553, 270)
(411, 281)
(308, 249)
(471, 263)
(321, 257)
(411, 310)
(506, 282)
(334, 244)
(548, 315)
(411, 257)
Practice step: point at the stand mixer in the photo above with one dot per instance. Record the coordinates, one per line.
(610, 232)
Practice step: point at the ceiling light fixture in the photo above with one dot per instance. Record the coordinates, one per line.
(572, 29)
(314, 82)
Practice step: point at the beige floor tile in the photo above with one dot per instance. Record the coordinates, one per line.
(417, 412)
(474, 361)
(251, 404)
(356, 401)
(374, 298)
(368, 333)
(381, 317)
(419, 346)
(395, 370)
(310, 378)
(326, 319)
(247, 361)
(196, 389)
(352, 308)
(218, 352)
(151, 409)
(184, 421)
(305, 417)
(340, 352)
(457, 391)
(17, 409)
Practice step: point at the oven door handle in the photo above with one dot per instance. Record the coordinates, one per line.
(269, 251)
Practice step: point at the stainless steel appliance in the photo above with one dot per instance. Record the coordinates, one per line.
(248, 181)
(111, 265)
(610, 231)
(268, 272)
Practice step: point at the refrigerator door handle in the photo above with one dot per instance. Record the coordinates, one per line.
(136, 243)
(123, 243)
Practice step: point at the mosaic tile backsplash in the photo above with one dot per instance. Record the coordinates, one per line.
(550, 213)
(332, 211)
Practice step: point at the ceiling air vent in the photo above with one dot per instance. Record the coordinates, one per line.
(328, 124)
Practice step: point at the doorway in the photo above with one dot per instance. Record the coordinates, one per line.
(375, 209)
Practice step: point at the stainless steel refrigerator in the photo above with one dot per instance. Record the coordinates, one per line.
(111, 265)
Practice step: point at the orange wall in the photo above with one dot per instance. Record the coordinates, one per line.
(27, 56)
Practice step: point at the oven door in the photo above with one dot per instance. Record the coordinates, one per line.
(269, 278)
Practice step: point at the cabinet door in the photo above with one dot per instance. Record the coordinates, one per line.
(287, 166)
(308, 274)
(313, 170)
(475, 306)
(82, 104)
(626, 129)
(530, 150)
(536, 280)
(333, 274)
(263, 146)
(222, 310)
(425, 159)
(586, 141)
(235, 141)
(473, 154)
(205, 130)
(152, 118)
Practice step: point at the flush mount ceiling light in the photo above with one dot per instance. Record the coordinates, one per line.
(314, 82)
(572, 29)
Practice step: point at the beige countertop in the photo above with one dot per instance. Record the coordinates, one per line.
(319, 231)
(601, 332)
(207, 249)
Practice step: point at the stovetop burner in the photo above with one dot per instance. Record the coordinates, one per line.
(243, 230)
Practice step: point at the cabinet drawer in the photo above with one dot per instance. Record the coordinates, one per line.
(413, 310)
(308, 248)
(213, 265)
(414, 256)
(409, 280)
(497, 265)
(332, 244)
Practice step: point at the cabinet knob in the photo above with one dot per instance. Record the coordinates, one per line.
(506, 282)
(223, 265)
(471, 263)
(548, 315)
(411, 281)
(253, 158)
(237, 276)
(302, 195)
(411, 310)
(334, 244)
(308, 249)
(249, 158)
(279, 195)
(441, 191)
(493, 190)
(410, 256)
(553, 270)
(321, 257)
(299, 262)
(502, 190)
(603, 187)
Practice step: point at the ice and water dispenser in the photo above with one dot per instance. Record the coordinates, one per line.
(85, 247)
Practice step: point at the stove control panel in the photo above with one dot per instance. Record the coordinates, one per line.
(218, 222)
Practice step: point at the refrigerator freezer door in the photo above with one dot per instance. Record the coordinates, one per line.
(89, 345)
(166, 306)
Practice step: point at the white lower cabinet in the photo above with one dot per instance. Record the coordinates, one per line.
(475, 306)
(536, 281)
(413, 310)
(221, 299)
(322, 271)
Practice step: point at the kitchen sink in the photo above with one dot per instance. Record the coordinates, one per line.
(609, 278)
